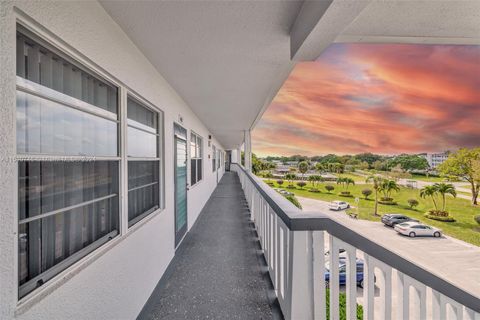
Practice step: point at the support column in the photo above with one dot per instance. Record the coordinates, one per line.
(239, 155)
(248, 151)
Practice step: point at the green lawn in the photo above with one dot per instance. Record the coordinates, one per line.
(465, 228)
(427, 179)
(355, 177)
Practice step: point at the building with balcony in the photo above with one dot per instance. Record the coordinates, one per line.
(121, 187)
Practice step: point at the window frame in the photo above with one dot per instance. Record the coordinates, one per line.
(214, 158)
(201, 158)
(126, 158)
(61, 274)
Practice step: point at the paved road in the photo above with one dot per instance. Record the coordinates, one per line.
(453, 260)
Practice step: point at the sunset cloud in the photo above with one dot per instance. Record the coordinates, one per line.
(386, 99)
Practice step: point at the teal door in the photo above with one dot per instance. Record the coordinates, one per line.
(180, 169)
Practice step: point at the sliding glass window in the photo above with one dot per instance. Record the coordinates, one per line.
(143, 160)
(68, 163)
(196, 155)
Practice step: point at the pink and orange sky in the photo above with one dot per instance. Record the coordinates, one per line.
(386, 99)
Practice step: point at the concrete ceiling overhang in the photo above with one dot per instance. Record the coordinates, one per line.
(228, 59)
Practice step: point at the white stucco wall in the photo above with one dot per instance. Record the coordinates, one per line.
(118, 282)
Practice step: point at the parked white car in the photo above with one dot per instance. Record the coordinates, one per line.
(415, 229)
(338, 205)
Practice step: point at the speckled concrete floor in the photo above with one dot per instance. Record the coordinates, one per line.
(218, 271)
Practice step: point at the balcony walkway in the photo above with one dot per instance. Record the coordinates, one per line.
(218, 271)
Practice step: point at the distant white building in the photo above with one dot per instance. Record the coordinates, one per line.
(435, 159)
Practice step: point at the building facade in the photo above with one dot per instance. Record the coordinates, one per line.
(435, 159)
(104, 167)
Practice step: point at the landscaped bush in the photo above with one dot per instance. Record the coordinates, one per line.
(439, 218)
(314, 190)
(279, 182)
(329, 188)
(301, 184)
(345, 194)
(477, 218)
(291, 186)
(412, 203)
(294, 200)
(342, 299)
(437, 213)
(387, 203)
(366, 193)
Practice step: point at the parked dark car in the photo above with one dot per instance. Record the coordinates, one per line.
(342, 270)
(393, 219)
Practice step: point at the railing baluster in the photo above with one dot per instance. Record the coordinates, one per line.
(438, 307)
(351, 287)
(403, 296)
(319, 298)
(469, 314)
(386, 292)
(334, 279)
(368, 287)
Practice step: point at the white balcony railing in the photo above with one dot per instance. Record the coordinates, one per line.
(295, 244)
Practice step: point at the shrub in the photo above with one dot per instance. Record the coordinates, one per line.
(438, 213)
(279, 182)
(342, 299)
(367, 192)
(412, 203)
(301, 184)
(329, 188)
(291, 186)
(477, 218)
(345, 194)
(388, 203)
(386, 199)
(294, 200)
(439, 218)
(314, 190)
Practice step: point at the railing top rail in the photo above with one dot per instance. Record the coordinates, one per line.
(297, 220)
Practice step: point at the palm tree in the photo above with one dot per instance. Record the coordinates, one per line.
(387, 186)
(429, 191)
(444, 189)
(313, 180)
(377, 181)
(349, 181)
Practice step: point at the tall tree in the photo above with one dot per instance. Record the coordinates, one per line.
(303, 168)
(429, 191)
(443, 189)
(388, 186)
(463, 164)
(377, 181)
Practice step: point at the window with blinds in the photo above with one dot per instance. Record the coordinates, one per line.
(143, 161)
(196, 155)
(214, 157)
(68, 199)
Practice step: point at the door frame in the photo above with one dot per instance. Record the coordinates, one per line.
(182, 232)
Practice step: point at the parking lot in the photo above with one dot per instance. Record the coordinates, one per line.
(456, 261)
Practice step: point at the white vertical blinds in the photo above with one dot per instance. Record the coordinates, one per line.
(66, 208)
(196, 155)
(143, 161)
